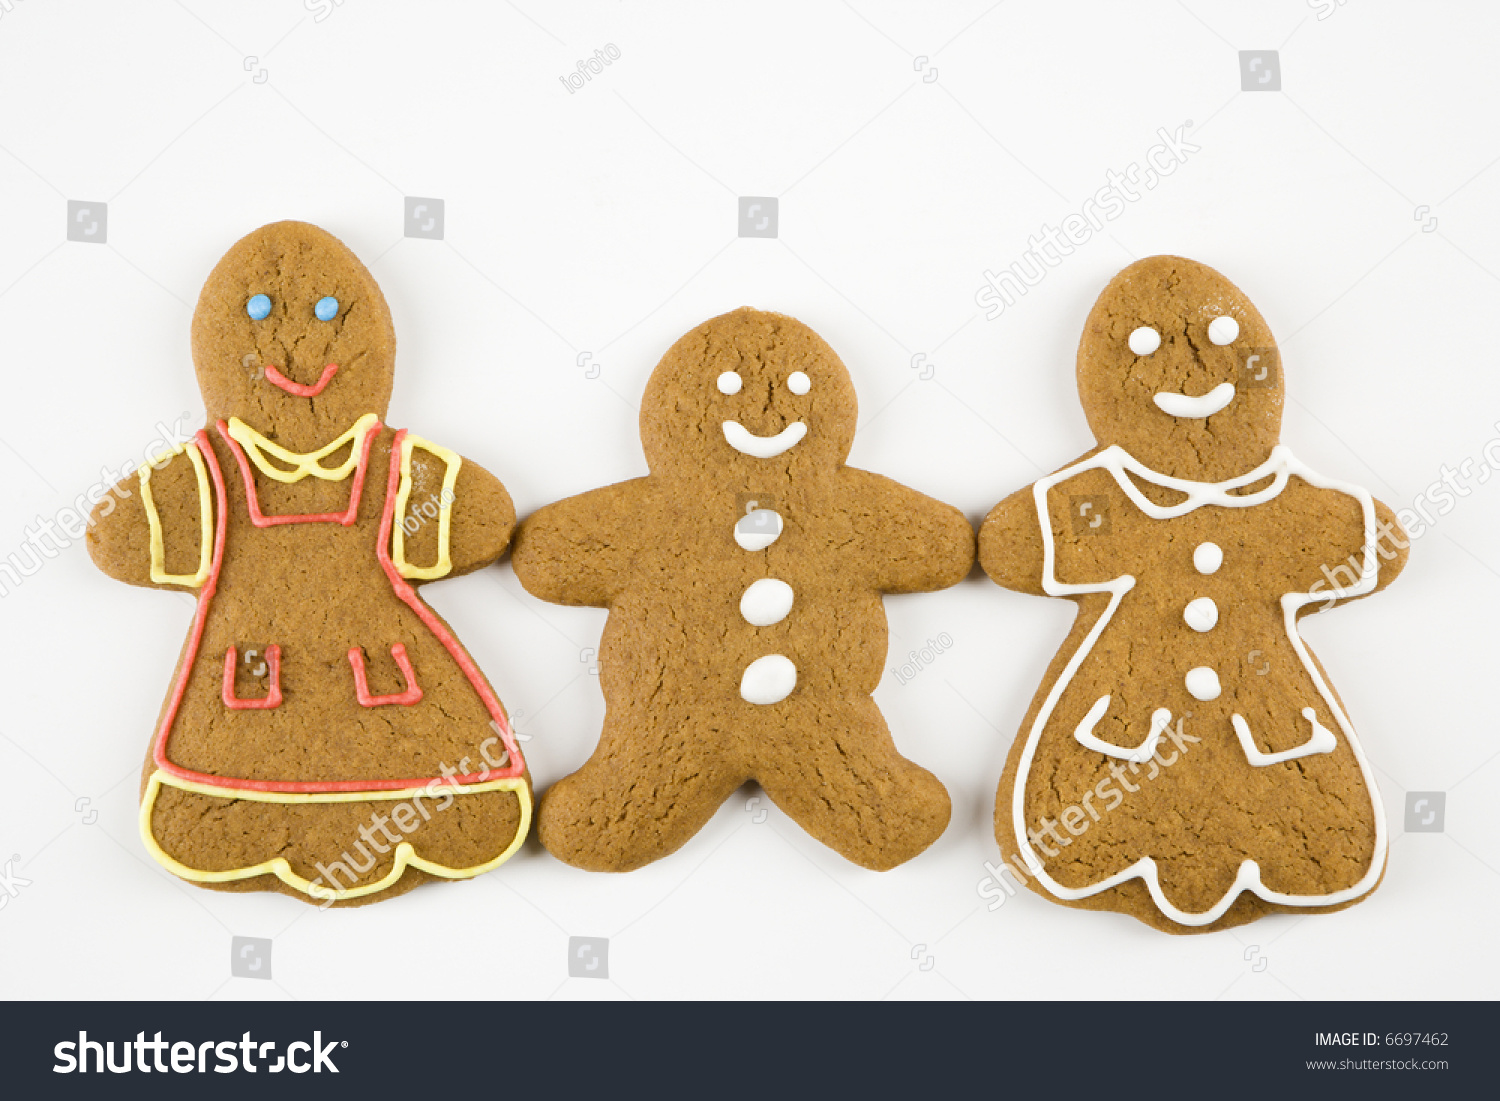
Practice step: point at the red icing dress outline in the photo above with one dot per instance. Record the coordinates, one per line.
(515, 763)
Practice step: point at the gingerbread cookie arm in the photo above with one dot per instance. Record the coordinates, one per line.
(1010, 544)
(484, 519)
(917, 544)
(455, 516)
(579, 550)
(154, 528)
(1391, 538)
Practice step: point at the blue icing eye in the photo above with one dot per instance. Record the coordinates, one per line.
(259, 307)
(327, 308)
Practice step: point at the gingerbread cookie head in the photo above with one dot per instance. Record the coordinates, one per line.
(293, 336)
(748, 391)
(1177, 367)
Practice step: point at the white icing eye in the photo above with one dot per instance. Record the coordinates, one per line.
(729, 382)
(798, 383)
(1223, 329)
(1145, 340)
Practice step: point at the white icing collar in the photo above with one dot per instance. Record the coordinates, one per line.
(1118, 461)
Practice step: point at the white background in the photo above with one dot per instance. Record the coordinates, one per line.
(603, 221)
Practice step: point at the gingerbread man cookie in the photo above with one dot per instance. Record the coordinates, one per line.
(743, 579)
(1186, 760)
(325, 734)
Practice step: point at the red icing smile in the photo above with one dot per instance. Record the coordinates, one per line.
(297, 389)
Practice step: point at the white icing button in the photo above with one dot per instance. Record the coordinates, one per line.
(729, 382)
(768, 680)
(766, 602)
(1207, 557)
(758, 529)
(1223, 330)
(1145, 340)
(1202, 682)
(1201, 614)
(798, 383)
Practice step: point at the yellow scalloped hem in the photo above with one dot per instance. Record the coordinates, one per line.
(406, 855)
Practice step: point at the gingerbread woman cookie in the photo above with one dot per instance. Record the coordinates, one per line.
(325, 734)
(743, 579)
(1186, 760)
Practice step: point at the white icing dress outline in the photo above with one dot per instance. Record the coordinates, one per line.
(1279, 467)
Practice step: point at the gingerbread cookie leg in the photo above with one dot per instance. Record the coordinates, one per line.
(649, 787)
(850, 788)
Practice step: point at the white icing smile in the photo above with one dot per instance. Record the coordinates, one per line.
(765, 447)
(1180, 405)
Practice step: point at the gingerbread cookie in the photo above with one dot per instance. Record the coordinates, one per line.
(1186, 760)
(325, 734)
(743, 578)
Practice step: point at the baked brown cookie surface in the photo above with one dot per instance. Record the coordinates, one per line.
(325, 735)
(743, 579)
(1186, 760)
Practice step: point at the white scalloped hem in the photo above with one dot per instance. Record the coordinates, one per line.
(1246, 881)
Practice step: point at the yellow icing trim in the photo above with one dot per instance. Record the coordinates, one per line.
(406, 855)
(444, 562)
(159, 573)
(257, 447)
